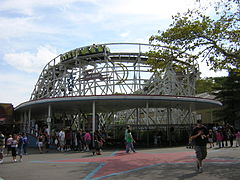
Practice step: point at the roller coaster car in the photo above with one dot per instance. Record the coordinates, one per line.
(85, 51)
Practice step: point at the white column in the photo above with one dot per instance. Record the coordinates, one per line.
(137, 121)
(93, 119)
(49, 119)
(25, 121)
(147, 106)
(29, 120)
(78, 122)
(22, 120)
(168, 123)
(95, 82)
(190, 119)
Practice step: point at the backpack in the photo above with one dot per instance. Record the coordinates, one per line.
(25, 140)
(20, 141)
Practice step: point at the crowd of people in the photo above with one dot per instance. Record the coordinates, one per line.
(16, 144)
(63, 140)
(66, 139)
(201, 136)
(220, 137)
(83, 141)
(224, 136)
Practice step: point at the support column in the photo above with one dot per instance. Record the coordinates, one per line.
(93, 119)
(29, 121)
(95, 82)
(190, 120)
(114, 123)
(168, 123)
(137, 122)
(78, 122)
(22, 121)
(84, 122)
(147, 106)
(25, 121)
(49, 119)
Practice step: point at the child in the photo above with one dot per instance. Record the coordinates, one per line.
(237, 135)
(219, 138)
(210, 138)
(98, 143)
(88, 139)
(14, 147)
(40, 143)
(190, 143)
(9, 142)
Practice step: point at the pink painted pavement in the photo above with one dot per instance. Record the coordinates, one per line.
(122, 162)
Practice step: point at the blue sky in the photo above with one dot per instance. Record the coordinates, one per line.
(35, 31)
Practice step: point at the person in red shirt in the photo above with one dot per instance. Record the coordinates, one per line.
(88, 139)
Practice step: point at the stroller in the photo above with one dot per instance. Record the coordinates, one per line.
(190, 143)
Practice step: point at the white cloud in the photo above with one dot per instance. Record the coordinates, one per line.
(125, 34)
(146, 7)
(127, 7)
(19, 18)
(16, 87)
(206, 72)
(107, 14)
(29, 62)
(27, 24)
(18, 27)
(27, 6)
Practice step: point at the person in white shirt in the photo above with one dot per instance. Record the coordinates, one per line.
(9, 142)
(14, 147)
(61, 137)
(2, 145)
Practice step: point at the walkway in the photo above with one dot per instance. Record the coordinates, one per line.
(162, 163)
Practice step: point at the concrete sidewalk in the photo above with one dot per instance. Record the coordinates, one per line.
(158, 163)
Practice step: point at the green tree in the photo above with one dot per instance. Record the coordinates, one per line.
(209, 84)
(229, 95)
(194, 35)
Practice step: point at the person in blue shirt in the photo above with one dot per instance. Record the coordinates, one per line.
(25, 143)
(20, 146)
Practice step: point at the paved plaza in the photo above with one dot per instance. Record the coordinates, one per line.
(155, 163)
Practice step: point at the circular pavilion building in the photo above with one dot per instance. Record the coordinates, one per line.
(108, 86)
